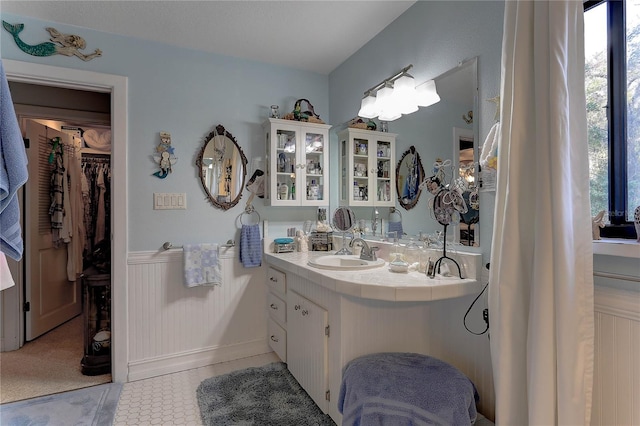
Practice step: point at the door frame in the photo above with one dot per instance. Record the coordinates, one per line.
(47, 75)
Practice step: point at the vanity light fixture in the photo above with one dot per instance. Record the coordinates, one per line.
(396, 96)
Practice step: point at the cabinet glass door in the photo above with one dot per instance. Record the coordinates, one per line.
(313, 165)
(361, 169)
(383, 173)
(285, 165)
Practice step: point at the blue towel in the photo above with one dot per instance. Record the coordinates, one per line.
(394, 389)
(396, 227)
(201, 265)
(13, 173)
(250, 246)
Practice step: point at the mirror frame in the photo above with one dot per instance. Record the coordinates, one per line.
(408, 206)
(220, 130)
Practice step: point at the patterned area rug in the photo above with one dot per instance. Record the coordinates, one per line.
(260, 396)
(95, 405)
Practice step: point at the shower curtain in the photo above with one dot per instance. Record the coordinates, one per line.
(541, 291)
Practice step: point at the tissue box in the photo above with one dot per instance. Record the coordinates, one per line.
(321, 241)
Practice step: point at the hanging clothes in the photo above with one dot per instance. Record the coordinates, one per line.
(95, 189)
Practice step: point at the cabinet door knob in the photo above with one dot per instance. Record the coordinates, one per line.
(272, 279)
(274, 338)
(274, 306)
(305, 313)
(296, 307)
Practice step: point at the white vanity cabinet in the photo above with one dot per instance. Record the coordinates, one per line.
(367, 168)
(308, 347)
(297, 163)
(277, 308)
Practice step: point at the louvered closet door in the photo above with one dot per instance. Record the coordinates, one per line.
(53, 299)
(307, 346)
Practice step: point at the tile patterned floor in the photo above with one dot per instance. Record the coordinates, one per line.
(171, 399)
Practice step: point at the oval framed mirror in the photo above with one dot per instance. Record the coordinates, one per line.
(222, 167)
(409, 176)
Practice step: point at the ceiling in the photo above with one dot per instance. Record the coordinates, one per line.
(309, 35)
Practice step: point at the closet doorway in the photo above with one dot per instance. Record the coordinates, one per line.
(59, 228)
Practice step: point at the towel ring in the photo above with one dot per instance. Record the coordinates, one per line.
(249, 210)
(394, 211)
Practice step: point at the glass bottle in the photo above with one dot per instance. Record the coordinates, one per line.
(412, 252)
(397, 262)
(424, 257)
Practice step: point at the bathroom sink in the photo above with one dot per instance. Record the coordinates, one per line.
(344, 262)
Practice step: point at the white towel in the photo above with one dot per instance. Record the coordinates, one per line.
(6, 280)
(201, 265)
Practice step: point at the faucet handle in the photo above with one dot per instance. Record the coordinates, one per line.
(373, 251)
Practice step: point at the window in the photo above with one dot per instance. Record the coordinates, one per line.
(612, 78)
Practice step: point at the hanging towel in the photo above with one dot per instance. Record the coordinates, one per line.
(396, 227)
(13, 173)
(201, 265)
(250, 246)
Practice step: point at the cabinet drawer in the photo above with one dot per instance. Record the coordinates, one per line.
(277, 308)
(278, 340)
(277, 281)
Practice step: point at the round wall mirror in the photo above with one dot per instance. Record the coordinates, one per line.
(409, 176)
(223, 167)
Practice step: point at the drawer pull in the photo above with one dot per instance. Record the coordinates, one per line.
(273, 279)
(274, 306)
(274, 338)
(297, 307)
(305, 312)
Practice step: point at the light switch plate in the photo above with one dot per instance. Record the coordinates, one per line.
(169, 201)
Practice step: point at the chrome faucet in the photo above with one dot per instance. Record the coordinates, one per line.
(367, 253)
(375, 217)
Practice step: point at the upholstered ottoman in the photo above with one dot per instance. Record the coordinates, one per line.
(392, 389)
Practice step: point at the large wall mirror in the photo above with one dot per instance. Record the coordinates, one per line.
(465, 160)
(223, 167)
(429, 131)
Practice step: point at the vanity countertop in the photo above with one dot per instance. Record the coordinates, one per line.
(376, 283)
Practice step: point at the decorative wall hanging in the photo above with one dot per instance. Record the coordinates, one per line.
(164, 156)
(58, 44)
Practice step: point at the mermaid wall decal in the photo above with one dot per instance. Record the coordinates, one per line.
(58, 44)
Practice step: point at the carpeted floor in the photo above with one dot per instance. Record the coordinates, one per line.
(260, 396)
(50, 364)
(95, 405)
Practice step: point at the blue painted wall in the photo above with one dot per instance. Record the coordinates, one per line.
(186, 93)
(434, 36)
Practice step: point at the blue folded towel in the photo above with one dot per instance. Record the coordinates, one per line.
(201, 265)
(250, 246)
(13, 173)
(405, 389)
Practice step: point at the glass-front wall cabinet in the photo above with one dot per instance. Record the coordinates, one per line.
(367, 168)
(297, 163)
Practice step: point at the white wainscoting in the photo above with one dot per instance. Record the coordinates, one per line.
(616, 387)
(174, 328)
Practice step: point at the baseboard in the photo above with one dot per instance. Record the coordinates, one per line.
(174, 363)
